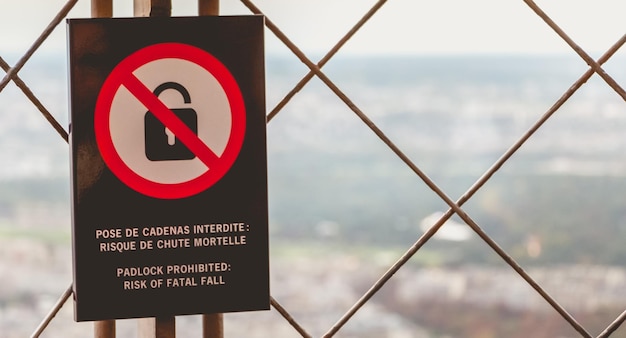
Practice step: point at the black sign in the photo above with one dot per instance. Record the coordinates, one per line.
(169, 169)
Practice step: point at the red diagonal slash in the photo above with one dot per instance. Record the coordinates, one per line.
(170, 120)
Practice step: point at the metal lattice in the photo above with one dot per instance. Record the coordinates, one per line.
(455, 206)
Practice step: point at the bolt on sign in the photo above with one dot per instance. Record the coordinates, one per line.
(168, 166)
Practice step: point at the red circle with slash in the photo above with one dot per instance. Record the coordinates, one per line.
(122, 75)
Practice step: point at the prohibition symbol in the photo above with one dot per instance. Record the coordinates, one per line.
(128, 99)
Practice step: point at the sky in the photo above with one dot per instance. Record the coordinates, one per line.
(400, 26)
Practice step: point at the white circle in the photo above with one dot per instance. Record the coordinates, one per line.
(208, 99)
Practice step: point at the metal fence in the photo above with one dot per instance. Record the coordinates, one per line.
(455, 207)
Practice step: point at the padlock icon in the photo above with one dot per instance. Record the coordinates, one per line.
(160, 143)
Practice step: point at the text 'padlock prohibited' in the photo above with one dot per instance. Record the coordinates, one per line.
(170, 120)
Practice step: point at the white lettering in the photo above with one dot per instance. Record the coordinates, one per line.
(197, 268)
(118, 246)
(139, 271)
(220, 240)
(219, 228)
(108, 233)
(180, 282)
(135, 284)
(212, 280)
(172, 230)
(173, 243)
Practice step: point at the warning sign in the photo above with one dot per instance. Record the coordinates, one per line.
(164, 152)
(169, 169)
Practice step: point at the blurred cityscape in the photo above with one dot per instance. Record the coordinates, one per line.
(343, 208)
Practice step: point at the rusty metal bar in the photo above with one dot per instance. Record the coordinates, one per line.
(53, 312)
(208, 7)
(103, 9)
(212, 324)
(283, 312)
(35, 101)
(104, 329)
(326, 58)
(613, 326)
(159, 327)
(588, 59)
(44, 35)
(161, 8)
